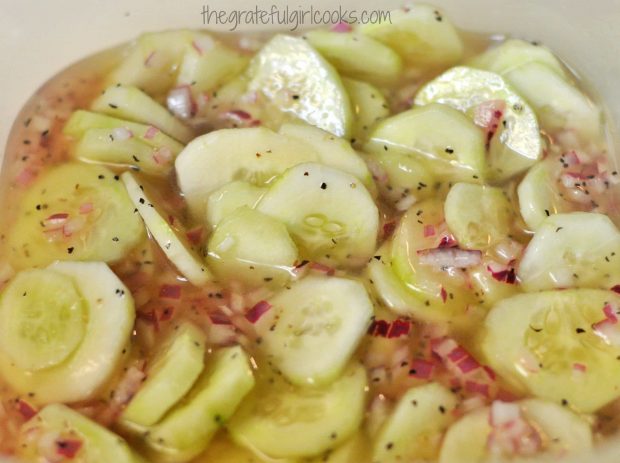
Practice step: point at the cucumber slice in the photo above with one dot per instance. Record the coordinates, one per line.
(534, 340)
(329, 213)
(331, 151)
(401, 178)
(478, 216)
(298, 80)
(102, 146)
(514, 53)
(444, 291)
(517, 145)
(282, 421)
(577, 249)
(223, 450)
(209, 64)
(255, 155)
(106, 233)
(414, 429)
(369, 107)
(43, 319)
(133, 104)
(185, 431)
(490, 289)
(466, 440)
(443, 139)
(81, 121)
(172, 242)
(389, 289)
(538, 197)
(97, 444)
(252, 248)
(559, 105)
(356, 55)
(563, 433)
(355, 450)
(314, 327)
(83, 353)
(152, 61)
(230, 197)
(421, 35)
(171, 374)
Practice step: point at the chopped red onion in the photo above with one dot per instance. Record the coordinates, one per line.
(194, 235)
(151, 132)
(449, 257)
(121, 134)
(162, 155)
(218, 318)
(26, 410)
(341, 27)
(379, 328)
(399, 328)
(429, 230)
(86, 208)
(421, 369)
(56, 220)
(68, 448)
(321, 268)
(25, 177)
(170, 292)
(180, 103)
(256, 312)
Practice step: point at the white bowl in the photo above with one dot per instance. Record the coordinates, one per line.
(40, 38)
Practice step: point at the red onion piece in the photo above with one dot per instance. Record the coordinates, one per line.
(68, 448)
(86, 208)
(379, 328)
(256, 312)
(180, 103)
(421, 369)
(170, 292)
(218, 318)
(429, 230)
(449, 257)
(194, 236)
(341, 27)
(321, 268)
(151, 132)
(26, 410)
(399, 328)
(615, 289)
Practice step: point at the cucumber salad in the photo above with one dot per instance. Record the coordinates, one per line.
(389, 243)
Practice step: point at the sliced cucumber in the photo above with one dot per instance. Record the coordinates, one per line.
(255, 155)
(538, 197)
(562, 431)
(298, 80)
(81, 121)
(478, 216)
(43, 318)
(514, 53)
(172, 242)
(329, 213)
(102, 146)
(50, 226)
(223, 450)
(70, 348)
(171, 374)
(331, 151)
(403, 179)
(230, 197)
(369, 107)
(355, 450)
(209, 64)
(577, 249)
(251, 248)
(517, 144)
(151, 62)
(389, 289)
(186, 430)
(440, 137)
(534, 340)
(443, 291)
(314, 327)
(490, 289)
(96, 443)
(356, 55)
(559, 105)
(281, 421)
(133, 104)
(466, 440)
(421, 35)
(414, 429)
